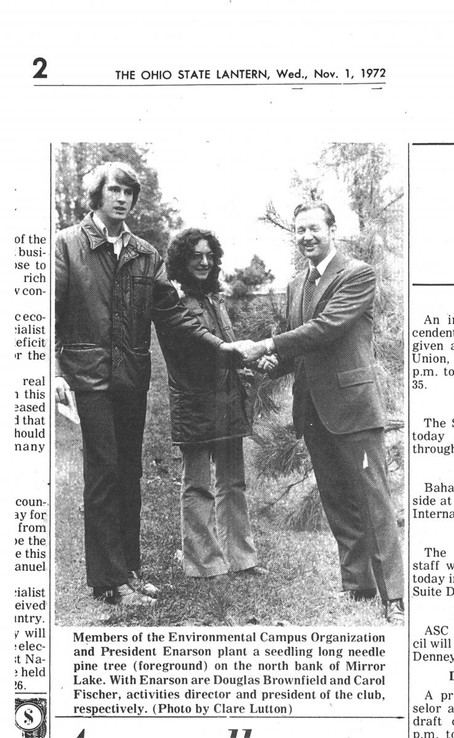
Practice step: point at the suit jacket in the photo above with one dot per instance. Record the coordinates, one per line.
(332, 353)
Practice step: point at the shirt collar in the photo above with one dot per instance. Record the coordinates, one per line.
(118, 241)
(321, 267)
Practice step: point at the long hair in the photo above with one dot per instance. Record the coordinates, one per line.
(182, 248)
(121, 172)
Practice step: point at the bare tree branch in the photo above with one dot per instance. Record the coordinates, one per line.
(392, 202)
(271, 221)
(271, 503)
(273, 218)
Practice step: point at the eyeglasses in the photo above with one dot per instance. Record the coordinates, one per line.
(199, 256)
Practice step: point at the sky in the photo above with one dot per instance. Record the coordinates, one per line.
(224, 184)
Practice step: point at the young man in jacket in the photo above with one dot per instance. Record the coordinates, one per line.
(338, 408)
(109, 286)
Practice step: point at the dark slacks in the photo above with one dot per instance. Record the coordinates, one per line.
(112, 425)
(351, 475)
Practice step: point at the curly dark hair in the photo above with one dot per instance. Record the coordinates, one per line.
(180, 250)
(121, 171)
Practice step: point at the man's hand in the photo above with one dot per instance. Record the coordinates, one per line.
(249, 350)
(239, 348)
(229, 348)
(61, 390)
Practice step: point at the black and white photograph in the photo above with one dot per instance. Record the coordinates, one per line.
(257, 478)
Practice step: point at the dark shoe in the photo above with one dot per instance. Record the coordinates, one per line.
(395, 613)
(140, 585)
(125, 595)
(103, 595)
(362, 594)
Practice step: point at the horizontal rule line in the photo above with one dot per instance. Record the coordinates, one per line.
(434, 143)
(433, 284)
(217, 84)
(248, 717)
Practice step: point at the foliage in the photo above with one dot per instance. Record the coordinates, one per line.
(264, 395)
(308, 514)
(152, 219)
(257, 317)
(279, 453)
(363, 167)
(243, 281)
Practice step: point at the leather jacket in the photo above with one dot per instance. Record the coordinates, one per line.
(104, 309)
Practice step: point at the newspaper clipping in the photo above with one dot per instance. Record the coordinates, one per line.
(228, 423)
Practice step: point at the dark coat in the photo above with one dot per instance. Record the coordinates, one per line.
(104, 310)
(207, 399)
(332, 353)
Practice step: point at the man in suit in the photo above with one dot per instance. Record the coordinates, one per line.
(337, 406)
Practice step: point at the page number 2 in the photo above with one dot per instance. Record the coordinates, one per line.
(41, 64)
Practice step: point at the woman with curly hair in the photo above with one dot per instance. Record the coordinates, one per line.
(208, 419)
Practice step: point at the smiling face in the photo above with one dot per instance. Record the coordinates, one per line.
(115, 205)
(314, 237)
(201, 261)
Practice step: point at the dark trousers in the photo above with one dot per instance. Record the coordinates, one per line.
(351, 475)
(112, 426)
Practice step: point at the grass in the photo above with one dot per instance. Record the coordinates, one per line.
(303, 582)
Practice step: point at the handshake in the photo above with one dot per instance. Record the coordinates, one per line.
(261, 352)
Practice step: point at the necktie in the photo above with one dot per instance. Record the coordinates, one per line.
(309, 289)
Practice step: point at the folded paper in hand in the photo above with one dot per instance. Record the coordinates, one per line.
(69, 410)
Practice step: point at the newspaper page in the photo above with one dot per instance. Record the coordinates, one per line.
(266, 597)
